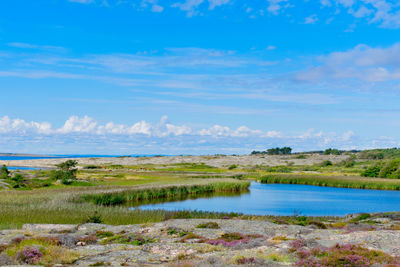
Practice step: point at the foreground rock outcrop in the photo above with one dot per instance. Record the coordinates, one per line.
(203, 242)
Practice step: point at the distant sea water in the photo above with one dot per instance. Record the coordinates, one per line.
(73, 156)
(64, 156)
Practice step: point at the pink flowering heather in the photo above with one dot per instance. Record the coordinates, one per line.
(297, 244)
(30, 255)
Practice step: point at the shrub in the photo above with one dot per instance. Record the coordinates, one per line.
(95, 218)
(91, 167)
(208, 225)
(372, 171)
(326, 163)
(344, 255)
(29, 255)
(362, 216)
(18, 181)
(132, 239)
(103, 234)
(374, 155)
(390, 168)
(320, 225)
(4, 172)
(244, 260)
(66, 172)
(233, 166)
(332, 151)
(88, 239)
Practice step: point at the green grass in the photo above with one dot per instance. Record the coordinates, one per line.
(333, 181)
(121, 197)
(59, 205)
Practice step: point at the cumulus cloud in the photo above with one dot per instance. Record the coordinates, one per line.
(19, 126)
(86, 132)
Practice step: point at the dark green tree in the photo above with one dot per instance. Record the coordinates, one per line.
(66, 172)
(4, 172)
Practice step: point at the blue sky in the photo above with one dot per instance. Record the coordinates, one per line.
(198, 76)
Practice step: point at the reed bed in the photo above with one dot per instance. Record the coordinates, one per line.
(169, 192)
(66, 206)
(332, 181)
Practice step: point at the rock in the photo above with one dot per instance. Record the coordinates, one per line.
(5, 260)
(67, 240)
(49, 227)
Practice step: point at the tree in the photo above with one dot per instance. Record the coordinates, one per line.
(332, 151)
(4, 172)
(66, 172)
(68, 166)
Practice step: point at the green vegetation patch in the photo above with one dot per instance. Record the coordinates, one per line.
(208, 225)
(118, 198)
(334, 181)
(40, 251)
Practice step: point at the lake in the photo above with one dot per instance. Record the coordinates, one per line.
(286, 199)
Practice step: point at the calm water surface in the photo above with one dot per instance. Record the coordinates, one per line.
(282, 199)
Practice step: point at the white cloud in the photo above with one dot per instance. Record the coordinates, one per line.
(157, 8)
(386, 13)
(362, 12)
(362, 62)
(190, 6)
(215, 3)
(19, 126)
(34, 46)
(346, 3)
(276, 5)
(86, 135)
(78, 125)
(311, 19)
(82, 1)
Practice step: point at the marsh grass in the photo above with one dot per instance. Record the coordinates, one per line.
(60, 205)
(121, 197)
(332, 181)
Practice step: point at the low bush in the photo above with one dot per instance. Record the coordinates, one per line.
(233, 166)
(95, 218)
(208, 225)
(391, 169)
(42, 251)
(343, 255)
(388, 169)
(326, 163)
(131, 239)
(372, 171)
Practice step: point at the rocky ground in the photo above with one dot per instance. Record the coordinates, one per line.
(216, 161)
(201, 242)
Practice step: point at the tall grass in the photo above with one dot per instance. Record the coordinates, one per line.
(333, 181)
(59, 205)
(170, 192)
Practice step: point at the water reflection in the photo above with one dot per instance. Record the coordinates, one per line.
(283, 199)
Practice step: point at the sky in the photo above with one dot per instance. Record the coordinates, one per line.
(198, 76)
